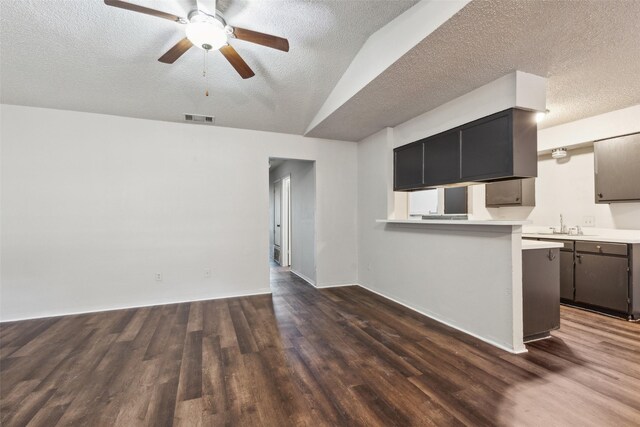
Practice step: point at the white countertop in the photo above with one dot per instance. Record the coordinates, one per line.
(611, 236)
(453, 221)
(534, 244)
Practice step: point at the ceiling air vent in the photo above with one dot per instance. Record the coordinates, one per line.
(197, 118)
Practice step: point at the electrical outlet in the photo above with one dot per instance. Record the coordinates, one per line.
(588, 221)
(158, 277)
(207, 273)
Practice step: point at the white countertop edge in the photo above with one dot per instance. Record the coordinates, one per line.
(594, 238)
(453, 221)
(534, 244)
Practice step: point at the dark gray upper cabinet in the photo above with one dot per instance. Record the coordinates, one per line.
(516, 192)
(442, 158)
(408, 167)
(455, 200)
(498, 147)
(486, 148)
(617, 169)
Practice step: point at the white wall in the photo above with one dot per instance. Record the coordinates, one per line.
(303, 206)
(602, 126)
(465, 276)
(93, 206)
(565, 187)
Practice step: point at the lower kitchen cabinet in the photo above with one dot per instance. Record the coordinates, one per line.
(566, 274)
(602, 275)
(540, 292)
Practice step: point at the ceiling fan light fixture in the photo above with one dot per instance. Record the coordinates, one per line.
(206, 32)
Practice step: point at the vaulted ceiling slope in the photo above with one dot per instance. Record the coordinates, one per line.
(589, 51)
(83, 55)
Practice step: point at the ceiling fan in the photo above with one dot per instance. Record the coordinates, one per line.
(208, 31)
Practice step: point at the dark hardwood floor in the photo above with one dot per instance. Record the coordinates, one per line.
(340, 356)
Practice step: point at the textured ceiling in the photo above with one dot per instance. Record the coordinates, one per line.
(589, 50)
(85, 56)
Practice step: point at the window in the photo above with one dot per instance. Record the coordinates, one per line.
(423, 202)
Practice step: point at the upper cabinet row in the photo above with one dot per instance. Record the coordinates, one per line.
(617, 169)
(498, 147)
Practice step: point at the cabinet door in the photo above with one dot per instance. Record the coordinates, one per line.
(487, 149)
(603, 281)
(442, 159)
(504, 193)
(540, 291)
(566, 275)
(617, 169)
(408, 167)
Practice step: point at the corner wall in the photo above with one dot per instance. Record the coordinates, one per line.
(93, 206)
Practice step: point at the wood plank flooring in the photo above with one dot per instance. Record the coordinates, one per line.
(340, 356)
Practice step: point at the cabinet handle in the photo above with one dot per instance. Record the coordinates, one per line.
(579, 258)
(551, 255)
(600, 195)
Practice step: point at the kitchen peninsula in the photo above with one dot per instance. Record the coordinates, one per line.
(464, 273)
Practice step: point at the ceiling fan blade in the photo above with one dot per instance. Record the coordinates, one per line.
(237, 62)
(176, 51)
(141, 9)
(261, 38)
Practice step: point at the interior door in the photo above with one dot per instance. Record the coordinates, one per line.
(277, 214)
(285, 223)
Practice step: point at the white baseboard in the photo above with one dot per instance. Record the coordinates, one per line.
(444, 322)
(312, 283)
(127, 307)
(303, 277)
(339, 285)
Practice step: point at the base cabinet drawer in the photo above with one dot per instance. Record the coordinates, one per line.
(602, 281)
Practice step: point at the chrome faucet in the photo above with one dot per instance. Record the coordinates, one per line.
(563, 227)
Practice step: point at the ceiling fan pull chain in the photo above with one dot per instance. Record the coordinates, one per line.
(204, 64)
(204, 72)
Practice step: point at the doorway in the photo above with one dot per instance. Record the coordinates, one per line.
(281, 221)
(292, 217)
